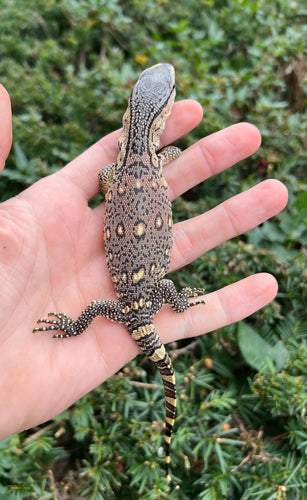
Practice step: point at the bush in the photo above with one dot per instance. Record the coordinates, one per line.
(69, 67)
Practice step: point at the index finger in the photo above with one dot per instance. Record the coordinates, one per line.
(211, 155)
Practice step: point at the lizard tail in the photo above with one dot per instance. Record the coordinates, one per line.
(168, 377)
(148, 340)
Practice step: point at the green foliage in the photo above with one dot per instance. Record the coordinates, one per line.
(258, 353)
(241, 429)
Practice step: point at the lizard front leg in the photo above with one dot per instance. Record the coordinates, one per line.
(168, 154)
(110, 309)
(105, 177)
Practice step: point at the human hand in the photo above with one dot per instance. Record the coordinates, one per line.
(52, 259)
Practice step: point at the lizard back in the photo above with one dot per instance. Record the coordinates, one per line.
(138, 231)
(138, 218)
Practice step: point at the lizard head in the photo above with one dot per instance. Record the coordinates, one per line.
(154, 93)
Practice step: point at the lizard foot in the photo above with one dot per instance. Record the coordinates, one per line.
(63, 323)
(194, 292)
(179, 300)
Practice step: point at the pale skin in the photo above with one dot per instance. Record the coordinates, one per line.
(52, 259)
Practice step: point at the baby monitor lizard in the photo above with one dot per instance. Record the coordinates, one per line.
(138, 234)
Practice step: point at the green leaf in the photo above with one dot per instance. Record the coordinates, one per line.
(20, 157)
(258, 353)
(301, 204)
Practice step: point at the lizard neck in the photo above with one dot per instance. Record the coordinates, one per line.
(141, 132)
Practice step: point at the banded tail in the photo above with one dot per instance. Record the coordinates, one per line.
(148, 340)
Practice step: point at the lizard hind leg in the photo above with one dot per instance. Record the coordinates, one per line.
(179, 300)
(110, 309)
(149, 342)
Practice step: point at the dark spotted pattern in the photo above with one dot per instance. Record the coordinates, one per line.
(138, 231)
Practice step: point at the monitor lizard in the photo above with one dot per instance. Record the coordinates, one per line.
(138, 234)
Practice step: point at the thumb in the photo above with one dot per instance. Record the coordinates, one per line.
(5, 126)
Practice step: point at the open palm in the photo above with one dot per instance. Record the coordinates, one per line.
(52, 259)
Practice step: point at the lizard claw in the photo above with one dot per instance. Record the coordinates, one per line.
(63, 323)
(194, 292)
(197, 291)
(57, 315)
